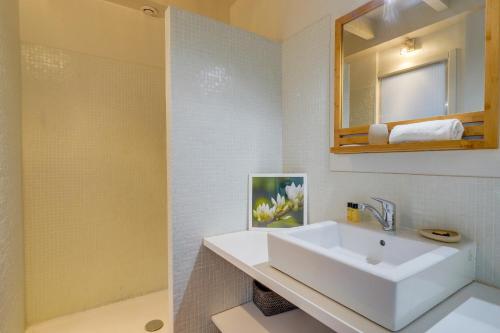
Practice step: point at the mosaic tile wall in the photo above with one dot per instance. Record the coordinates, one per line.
(470, 205)
(11, 219)
(94, 180)
(225, 122)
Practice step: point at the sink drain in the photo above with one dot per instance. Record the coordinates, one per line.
(154, 325)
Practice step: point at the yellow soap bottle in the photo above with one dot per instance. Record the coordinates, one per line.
(349, 211)
(355, 216)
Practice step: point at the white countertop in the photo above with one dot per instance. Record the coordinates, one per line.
(247, 250)
(474, 315)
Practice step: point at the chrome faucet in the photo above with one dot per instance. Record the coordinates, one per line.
(388, 216)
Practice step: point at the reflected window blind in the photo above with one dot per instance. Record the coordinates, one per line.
(418, 93)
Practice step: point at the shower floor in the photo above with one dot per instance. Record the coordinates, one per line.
(129, 316)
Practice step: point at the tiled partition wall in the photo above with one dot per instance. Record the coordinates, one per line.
(11, 221)
(470, 205)
(224, 123)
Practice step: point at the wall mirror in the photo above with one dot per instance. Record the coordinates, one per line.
(407, 61)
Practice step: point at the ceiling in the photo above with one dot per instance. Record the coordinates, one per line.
(216, 9)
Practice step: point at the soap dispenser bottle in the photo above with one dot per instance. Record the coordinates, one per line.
(355, 215)
(349, 211)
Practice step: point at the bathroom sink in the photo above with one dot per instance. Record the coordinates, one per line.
(391, 279)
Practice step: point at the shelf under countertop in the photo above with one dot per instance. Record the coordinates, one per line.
(247, 318)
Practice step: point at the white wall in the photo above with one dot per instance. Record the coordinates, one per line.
(224, 123)
(11, 223)
(468, 204)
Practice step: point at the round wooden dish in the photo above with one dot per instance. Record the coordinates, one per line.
(440, 235)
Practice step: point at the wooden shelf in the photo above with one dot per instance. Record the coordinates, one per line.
(411, 147)
(247, 318)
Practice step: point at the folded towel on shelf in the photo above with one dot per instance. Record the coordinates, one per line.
(435, 130)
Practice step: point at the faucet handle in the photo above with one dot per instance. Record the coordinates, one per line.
(386, 204)
(388, 208)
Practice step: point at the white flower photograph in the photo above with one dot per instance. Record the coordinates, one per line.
(277, 201)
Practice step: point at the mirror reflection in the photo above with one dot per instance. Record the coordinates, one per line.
(412, 59)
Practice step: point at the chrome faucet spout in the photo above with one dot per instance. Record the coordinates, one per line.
(388, 216)
(374, 211)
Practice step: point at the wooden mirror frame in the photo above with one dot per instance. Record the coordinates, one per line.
(354, 140)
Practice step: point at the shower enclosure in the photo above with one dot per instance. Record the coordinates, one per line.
(94, 162)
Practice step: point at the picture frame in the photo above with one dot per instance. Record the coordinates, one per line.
(277, 201)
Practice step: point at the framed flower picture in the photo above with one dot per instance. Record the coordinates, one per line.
(277, 201)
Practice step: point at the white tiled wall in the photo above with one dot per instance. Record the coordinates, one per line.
(225, 122)
(470, 205)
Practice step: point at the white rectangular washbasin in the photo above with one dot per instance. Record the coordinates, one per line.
(391, 279)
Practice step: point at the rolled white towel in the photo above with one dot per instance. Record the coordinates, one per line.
(435, 130)
(378, 134)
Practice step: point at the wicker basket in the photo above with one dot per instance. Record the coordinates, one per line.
(268, 301)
